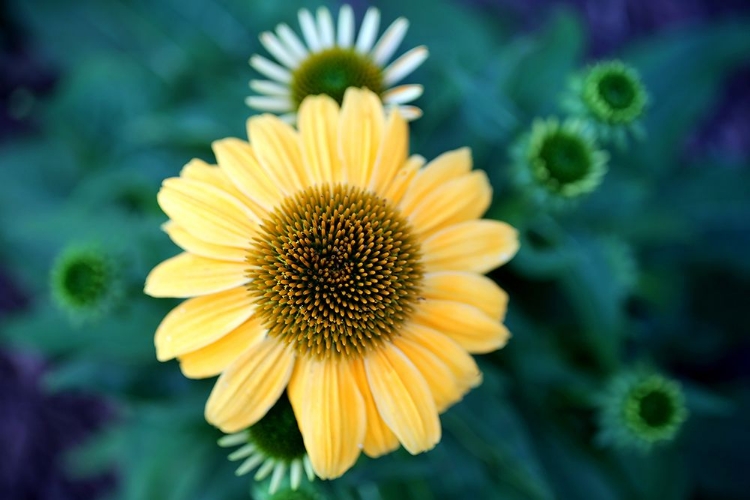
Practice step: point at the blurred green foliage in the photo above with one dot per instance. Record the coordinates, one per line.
(649, 269)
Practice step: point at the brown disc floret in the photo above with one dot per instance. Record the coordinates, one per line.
(335, 270)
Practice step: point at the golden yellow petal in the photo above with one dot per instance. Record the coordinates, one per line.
(295, 389)
(403, 178)
(214, 358)
(444, 168)
(199, 170)
(465, 198)
(200, 321)
(393, 153)
(403, 399)
(470, 327)
(459, 362)
(250, 386)
(360, 135)
(443, 385)
(238, 160)
(277, 148)
(197, 246)
(469, 288)
(318, 122)
(188, 275)
(477, 246)
(207, 212)
(332, 420)
(379, 439)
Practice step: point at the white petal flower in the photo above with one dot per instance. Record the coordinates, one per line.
(331, 56)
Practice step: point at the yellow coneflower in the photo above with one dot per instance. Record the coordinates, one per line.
(327, 262)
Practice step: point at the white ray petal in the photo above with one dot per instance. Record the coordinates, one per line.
(307, 464)
(265, 469)
(273, 104)
(291, 40)
(368, 31)
(270, 69)
(278, 474)
(325, 28)
(404, 65)
(309, 30)
(346, 27)
(233, 439)
(295, 474)
(279, 51)
(243, 452)
(249, 464)
(390, 41)
(402, 94)
(290, 118)
(269, 88)
(410, 113)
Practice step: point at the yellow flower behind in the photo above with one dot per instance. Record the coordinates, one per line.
(325, 261)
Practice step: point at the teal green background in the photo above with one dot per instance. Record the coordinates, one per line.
(651, 270)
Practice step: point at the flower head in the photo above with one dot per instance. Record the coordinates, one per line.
(327, 262)
(85, 281)
(640, 409)
(560, 159)
(275, 445)
(331, 60)
(610, 94)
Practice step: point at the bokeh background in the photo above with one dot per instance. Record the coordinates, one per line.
(101, 100)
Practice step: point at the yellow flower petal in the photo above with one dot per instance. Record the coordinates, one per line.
(250, 386)
(208, 213)
(332, 420)
(443, 385)
(214, 358)
(199, 170)
(465, 198)
(403, 399)
(188, 275)
(404, 176)
(318, 121)
(194, 245)
(200, 321)
(470, 327)
(393, 153)
(469, 288)
(277, 147)
(360, 134)
(478, 246)
(379, 439)
(444, 168)
(455, 357)
(237, 158)
(295, 389)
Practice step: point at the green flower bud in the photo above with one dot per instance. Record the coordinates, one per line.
(274, 446)
(86, 281)
(559, 160)
(640, 410)
(612, 96)
(333, 71)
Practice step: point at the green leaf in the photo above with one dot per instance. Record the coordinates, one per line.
(539, 78)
